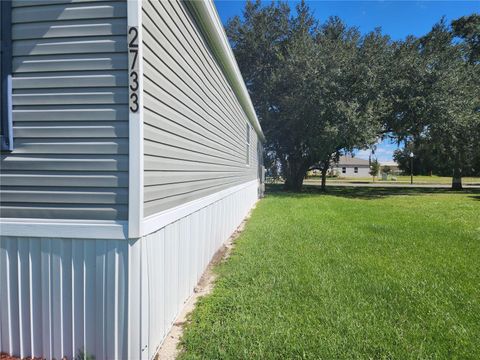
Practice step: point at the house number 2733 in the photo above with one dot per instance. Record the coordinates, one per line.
(133, 85)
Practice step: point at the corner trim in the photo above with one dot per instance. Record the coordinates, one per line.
(70, 229)
(157, 221)
(208, 20)
(135, 136)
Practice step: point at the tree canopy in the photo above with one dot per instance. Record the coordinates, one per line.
(323, 89)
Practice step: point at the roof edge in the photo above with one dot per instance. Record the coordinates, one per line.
(209, 22)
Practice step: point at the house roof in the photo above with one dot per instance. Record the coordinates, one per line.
(352, 161)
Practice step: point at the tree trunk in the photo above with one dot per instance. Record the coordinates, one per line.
(294, 174)
(457, 174)
(324, 179)
(457, 179)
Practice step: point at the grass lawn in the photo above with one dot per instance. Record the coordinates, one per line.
(417, 179)
(359, 273)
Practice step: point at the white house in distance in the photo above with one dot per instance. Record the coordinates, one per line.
(130, 152)
(348, 166)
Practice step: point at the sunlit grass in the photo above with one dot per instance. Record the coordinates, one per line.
(358, 273)
(417, 179)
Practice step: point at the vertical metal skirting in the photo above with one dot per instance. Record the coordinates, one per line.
(59, 297)
(172, 262)
(114, 299)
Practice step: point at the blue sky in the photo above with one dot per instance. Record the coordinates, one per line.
(396, 18)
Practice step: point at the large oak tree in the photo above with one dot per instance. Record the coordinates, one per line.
(317, 88)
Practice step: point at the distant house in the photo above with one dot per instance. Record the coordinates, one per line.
(348, 166)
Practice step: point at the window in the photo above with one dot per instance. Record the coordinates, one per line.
(355, 170)
(344, 170)
(6, 131)
(248, 144)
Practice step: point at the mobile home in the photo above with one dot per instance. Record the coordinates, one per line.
(130, 152)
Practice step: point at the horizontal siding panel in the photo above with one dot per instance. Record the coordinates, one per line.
(195, 128)
(87, 130)
(152, 207)
(181, 107)
(57, 178)
(77, 45)
(69, 12)
(158, 163)
(173, 85)
(71, 80)
(66, 196)
(44, 211)
(77, 62)
(76, 28)
(154, 149)
(169, 190)
(162, 115)
(169, 177)
(173, 82)
(71, 113)
(22, 3)
(180, 60)
(65, 162)
(70, 96)
(194, 55)
(190, 35)
(55, 146)
(160, 63)
(174, 140)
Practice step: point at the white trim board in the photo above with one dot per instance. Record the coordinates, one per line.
(69, 229)
(135, 133)
(157, 221)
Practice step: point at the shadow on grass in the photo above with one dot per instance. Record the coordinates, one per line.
(365, 192)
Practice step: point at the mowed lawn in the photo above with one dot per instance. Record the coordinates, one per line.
(354, 274)
(400, 179)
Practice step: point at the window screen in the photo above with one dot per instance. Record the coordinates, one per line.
(6, 131)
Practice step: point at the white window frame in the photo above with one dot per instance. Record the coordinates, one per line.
(247, 143)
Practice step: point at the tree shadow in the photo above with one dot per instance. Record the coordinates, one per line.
(366, 193)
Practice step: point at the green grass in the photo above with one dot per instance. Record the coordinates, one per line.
(358, 273)
(417, 179)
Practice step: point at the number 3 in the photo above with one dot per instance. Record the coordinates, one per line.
(134, 77)
(134, 98)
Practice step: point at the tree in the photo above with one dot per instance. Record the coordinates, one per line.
(467, 28)
(316, 88)
(374, 168)
(435, 102)
(454, 102)
(425, 162)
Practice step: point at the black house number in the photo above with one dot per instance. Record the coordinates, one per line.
(133, 85)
